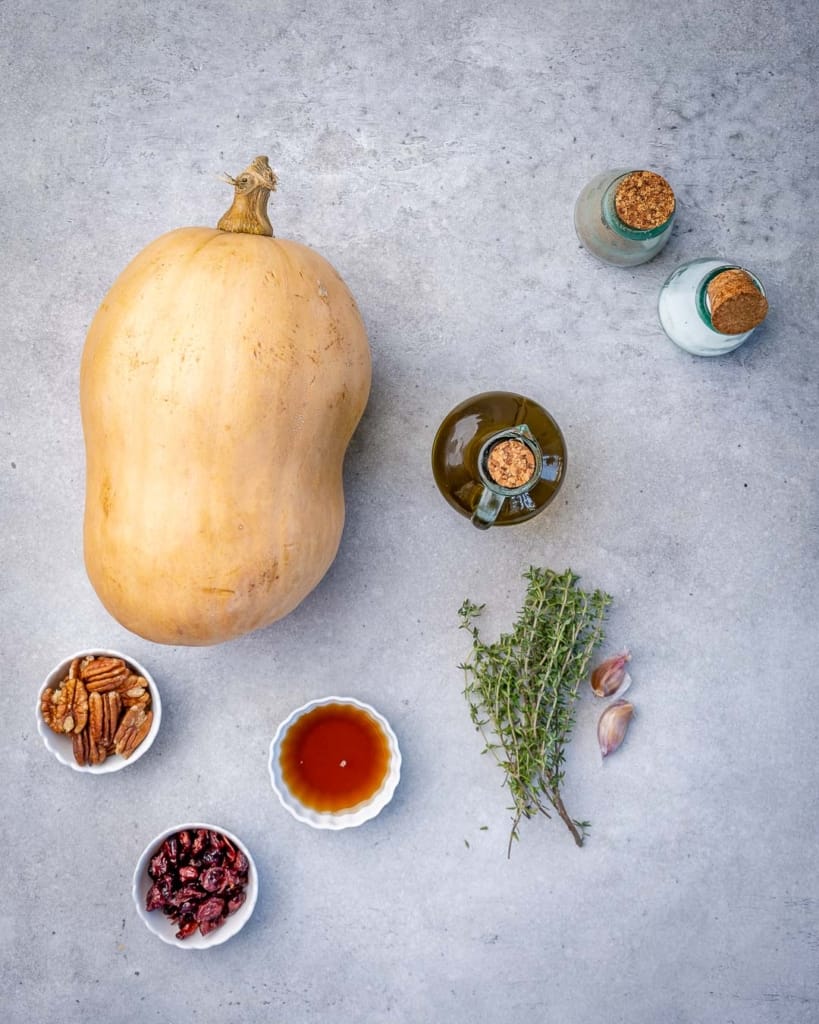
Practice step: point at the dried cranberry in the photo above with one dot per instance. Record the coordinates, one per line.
(189, 869)
(187, 892)
(236, 901)
(165, 886)
(232, 879)
(158, 865)
(212, 879)
(186, 928)
(154, 899)
(200, 841)
(210, 910)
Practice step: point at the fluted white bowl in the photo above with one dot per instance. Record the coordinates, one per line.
(165, 929)
(62, 746)
(349, 817)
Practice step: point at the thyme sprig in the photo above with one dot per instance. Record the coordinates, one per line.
(522, 688)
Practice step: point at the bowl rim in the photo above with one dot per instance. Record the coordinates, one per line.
(152, 920)
(353, 816)
(56, 744)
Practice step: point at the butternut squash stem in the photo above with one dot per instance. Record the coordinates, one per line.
(251, 190)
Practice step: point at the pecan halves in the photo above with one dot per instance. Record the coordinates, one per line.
(65, 710)
(95, 665)
(112, 708)
(103, 674)
(93, 704)
(47, 708)
(97, 748)
(134, 727)
(134, 691)
(81, 749)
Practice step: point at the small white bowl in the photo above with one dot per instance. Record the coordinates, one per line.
(161, 925)
(62, 746)
(350, 817)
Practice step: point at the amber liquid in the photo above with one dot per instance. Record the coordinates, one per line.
(334, 757)
(461, 436)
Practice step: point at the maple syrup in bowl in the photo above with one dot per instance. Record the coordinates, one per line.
(334, 763)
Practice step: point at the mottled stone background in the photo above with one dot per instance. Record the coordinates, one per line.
(433, 153)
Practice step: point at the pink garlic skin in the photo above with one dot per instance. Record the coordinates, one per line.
(613, 725)
(610, 676)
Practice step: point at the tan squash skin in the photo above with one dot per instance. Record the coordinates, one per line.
(221, 382)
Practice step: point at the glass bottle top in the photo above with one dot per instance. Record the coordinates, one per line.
(624, 217)
(735, 301)
(639, 205)
(498, 458)
(703, 295)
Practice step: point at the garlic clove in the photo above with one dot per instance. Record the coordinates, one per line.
(610, 676)
(613, 724)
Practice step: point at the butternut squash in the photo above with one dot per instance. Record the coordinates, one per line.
(221, 381)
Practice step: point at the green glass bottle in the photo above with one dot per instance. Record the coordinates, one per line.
(498, 458)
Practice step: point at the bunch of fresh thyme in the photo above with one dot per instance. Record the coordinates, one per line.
(522, 689)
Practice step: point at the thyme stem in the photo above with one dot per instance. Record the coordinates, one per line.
(522, 689)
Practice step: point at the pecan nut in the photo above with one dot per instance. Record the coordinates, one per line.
(102, 705)
(47, 708)
(95, 665)
(80, 744)
(97, 749)
(112, 709)
(132, 730)
(103, 674)
(65, 709)
(131, 681)
(136, 692)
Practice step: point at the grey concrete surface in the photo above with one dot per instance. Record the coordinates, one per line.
(433, 152)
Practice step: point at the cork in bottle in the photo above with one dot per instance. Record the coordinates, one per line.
(510, 464)
(735, 302)
(644, 200)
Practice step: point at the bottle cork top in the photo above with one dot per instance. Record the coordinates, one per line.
(510, 464)
(735, 302)
(644, 200)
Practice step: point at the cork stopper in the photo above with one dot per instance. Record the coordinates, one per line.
(510, 464)
(736, 304)
(644, 200)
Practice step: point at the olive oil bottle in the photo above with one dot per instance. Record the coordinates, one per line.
(498, 458)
